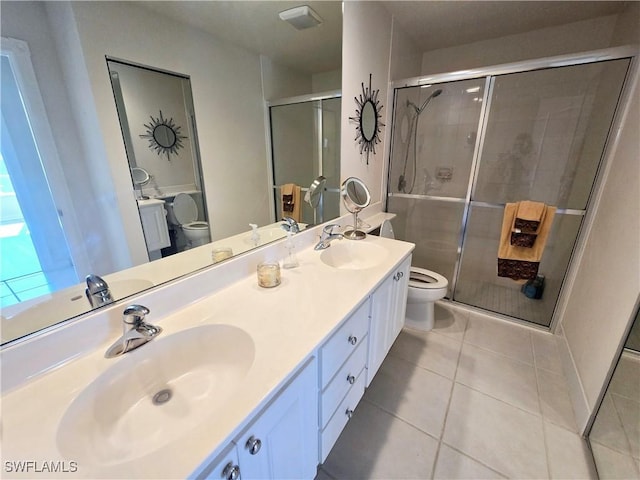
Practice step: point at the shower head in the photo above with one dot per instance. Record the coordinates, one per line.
(426, 102)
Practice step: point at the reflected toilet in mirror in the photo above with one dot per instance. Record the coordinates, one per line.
(355, 196)
(182, 214)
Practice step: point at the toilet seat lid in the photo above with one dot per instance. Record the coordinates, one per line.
(185, 208)
(386, 230)
(423, 278)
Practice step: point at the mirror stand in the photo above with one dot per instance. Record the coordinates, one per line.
(355, 196)
(354, 234)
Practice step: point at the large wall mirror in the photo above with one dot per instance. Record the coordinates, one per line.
(73, 199)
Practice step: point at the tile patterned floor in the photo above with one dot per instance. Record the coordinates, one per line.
(474, 398)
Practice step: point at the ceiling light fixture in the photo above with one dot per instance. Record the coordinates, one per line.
(301, 17)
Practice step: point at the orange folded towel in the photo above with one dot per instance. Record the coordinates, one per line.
(521, 263)
(290, 195)
(529, 215)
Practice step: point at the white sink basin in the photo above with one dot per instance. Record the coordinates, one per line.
(353, 255)
(153, 395)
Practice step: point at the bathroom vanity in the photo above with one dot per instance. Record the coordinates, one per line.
(243, 381)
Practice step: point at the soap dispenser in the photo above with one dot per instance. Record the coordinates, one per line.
(291, 260)
(255, 236)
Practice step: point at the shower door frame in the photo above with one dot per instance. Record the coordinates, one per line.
(311, 97)
(490, 74)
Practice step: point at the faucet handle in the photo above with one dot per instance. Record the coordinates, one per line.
(135, 314)
(328, 229)
(290, 225)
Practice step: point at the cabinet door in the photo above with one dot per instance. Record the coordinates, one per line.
(381, 303)
(282, 443)
(154, 226)
(399, 299)
(225, 466)
(388, 307)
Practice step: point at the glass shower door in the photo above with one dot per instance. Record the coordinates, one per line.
(544, 137)
(433, 147)
(305, 143)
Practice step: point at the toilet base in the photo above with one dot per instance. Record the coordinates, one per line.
(420, 316)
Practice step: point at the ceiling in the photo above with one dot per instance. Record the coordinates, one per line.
(441, 24)
(255, 25)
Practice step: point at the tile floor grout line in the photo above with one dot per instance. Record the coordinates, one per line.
(486, 349)
(624, 431)
(542, 416)
(396, 417)
(423, 367)
(446, 414)
(499, 400)
(475, 459)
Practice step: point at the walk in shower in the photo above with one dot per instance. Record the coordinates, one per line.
(305, 143)
(464, 145)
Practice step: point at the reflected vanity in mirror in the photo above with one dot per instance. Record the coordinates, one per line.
(100, 215)
(355, 196)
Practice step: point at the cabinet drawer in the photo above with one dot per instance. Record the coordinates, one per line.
(340, 385)
(343, 343)
(337, 423)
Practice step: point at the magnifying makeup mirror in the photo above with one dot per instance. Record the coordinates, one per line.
(140, 178)
(315, 198)
(355, 196)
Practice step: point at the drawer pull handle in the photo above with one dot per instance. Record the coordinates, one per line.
(231, 471)
(353, 339)
(253, 445)
(351, 379)
(398, 276)
(349, 413)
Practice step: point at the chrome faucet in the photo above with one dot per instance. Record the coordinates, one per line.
(327, 237)
(97, 291)
(135, 331)
(290, 225)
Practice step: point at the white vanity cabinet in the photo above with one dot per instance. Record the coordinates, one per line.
(281, 442)
(154, 224)
(388, 307)
(342, 376)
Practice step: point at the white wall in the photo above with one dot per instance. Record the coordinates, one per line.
(227, 94)
(573, 37)
(606, 288)
(406, 57)
(366, 49)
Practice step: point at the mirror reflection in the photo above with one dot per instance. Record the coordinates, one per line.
(236, 56)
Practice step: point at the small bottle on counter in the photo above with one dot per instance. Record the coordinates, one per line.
(268, 274)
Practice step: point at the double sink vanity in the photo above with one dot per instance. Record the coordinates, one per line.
(243, 382)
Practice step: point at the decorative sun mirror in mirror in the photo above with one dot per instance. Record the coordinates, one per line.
(355, 196)
(367, 119)
(140, 178)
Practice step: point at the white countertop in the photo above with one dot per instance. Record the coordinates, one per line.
(286, 324)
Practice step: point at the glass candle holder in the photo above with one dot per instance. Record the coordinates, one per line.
(268, 274)
(219, 254)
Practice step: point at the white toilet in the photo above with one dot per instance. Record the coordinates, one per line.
(183, 212)
(425, 287)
